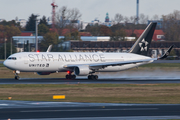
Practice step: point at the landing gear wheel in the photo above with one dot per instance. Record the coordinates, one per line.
(70, 76)
(67, 76)
(89, 77)
(73, 76)
(92, 77)
(16, 77)
(16, 72)
(95, 77)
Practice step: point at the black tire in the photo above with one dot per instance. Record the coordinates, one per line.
(67, 76)
(73, 77)
(16, 78)
(92, 77)
(89, 77)
(95, 77)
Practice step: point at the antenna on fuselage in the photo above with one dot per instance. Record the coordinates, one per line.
(49, 48)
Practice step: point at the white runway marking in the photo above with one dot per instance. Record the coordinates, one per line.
(89, 110)
(111, 118)
(4, 104)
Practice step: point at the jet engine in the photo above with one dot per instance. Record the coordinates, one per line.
(81, 70)
(43, 73)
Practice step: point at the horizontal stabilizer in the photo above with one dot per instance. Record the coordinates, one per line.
(166, 53)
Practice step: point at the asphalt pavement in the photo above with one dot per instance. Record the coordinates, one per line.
(85, 81)
(96, 111)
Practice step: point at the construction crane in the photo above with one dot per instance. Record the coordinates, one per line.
(53, 14)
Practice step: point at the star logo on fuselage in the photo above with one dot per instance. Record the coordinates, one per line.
(143, 45)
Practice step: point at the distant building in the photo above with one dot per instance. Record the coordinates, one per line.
(49, 21)
(2, 20)
(22, 22)
(158, 34)
(26, 33)
(159, 23)
(107, 22)
(107, 17)
(85, 34)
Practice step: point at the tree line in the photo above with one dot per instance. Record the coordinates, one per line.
(65, 25)
(7, 30)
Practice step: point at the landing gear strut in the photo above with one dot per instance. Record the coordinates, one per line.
(92, 77)
(16, 72)
(69, 76)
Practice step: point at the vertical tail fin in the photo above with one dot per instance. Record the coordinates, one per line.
(141, 46)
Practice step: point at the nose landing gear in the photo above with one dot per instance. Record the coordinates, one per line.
(16, 72)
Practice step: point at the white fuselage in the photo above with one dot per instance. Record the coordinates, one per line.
(55, 61)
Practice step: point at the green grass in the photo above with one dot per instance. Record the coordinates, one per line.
(106, 93)
(1, 65)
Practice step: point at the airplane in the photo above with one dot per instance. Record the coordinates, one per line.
(84, 63)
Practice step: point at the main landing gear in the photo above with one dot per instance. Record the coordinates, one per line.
(92, 77)
(69, 76)
(16, 72)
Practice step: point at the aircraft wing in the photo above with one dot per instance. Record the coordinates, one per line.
(106, 64)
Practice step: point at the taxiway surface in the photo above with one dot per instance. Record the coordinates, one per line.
(95, 111)
(85, 81)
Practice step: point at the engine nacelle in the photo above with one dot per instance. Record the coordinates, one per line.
(43, 73)
(81, 70)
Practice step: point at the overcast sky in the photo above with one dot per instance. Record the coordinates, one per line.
(90, 9)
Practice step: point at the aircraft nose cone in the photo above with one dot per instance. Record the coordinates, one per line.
(5, 63)
(8, 64)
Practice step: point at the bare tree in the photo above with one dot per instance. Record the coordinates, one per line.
(118, 18)
(67, 17)
(143, 19)
(155, 17)
(132, 19)
(126, 19)
(61, 16)
(171, 26)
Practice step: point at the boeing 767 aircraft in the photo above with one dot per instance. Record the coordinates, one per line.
(84, 63)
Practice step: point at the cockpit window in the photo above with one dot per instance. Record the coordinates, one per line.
(11, 58)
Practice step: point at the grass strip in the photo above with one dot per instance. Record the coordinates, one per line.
(102, 93)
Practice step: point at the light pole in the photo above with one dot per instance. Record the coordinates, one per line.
(5, 48)
(137, 13)
(36, 33)
(17, 47)
(11, 46)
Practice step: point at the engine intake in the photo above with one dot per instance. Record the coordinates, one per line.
(81, 70)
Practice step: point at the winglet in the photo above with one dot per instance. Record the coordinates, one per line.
(49, 48)
(166, 53)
